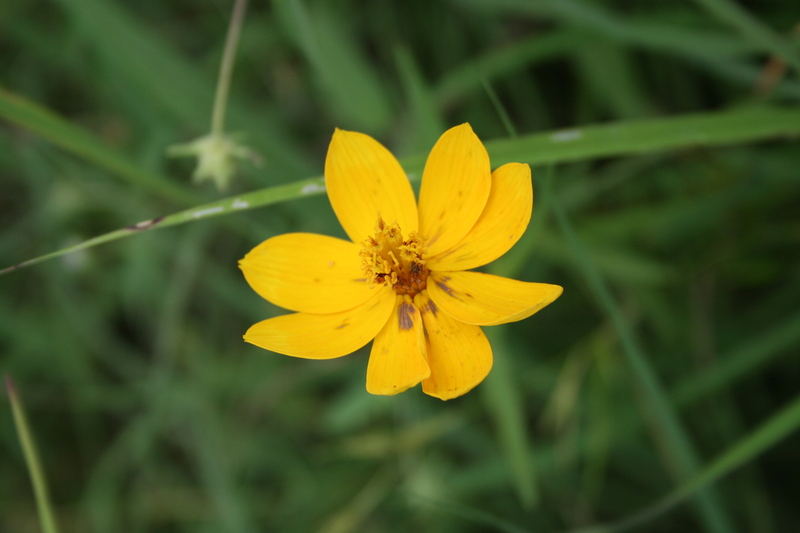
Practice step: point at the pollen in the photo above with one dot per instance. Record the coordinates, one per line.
(388, 258)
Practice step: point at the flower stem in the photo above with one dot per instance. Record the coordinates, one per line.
(226, 68)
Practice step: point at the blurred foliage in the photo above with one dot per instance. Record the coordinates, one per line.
(676, 338)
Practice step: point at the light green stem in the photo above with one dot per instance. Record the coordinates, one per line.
(226, 68)
(43, 505)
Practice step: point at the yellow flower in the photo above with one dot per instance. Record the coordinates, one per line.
(403, 280)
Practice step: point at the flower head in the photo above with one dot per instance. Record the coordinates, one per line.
(403, 279)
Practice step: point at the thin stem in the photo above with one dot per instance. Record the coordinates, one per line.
(499, 108)
(45, 508)
(665, 419)
(226, 68)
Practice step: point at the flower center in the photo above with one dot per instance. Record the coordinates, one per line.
(388, 259)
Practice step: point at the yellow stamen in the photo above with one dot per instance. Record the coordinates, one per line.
(389, 259)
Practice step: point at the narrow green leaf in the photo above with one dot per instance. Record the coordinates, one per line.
(758, 33)
(427, 123)
(470, 514)
(503, 398)
(641, 136)
(352, 515)
(346, 79)
(43, 505)
(665, 419)
(80, 142)
(718, 53)
(740, 362)
(501, 391)
(260, 198)
(609, 73)
(466, 78)
(777, 428)
(499, 109)
(616, 139)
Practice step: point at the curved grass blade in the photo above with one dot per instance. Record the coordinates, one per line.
(505, 403)
(466, 78)
(740, 362)
(43, 505)
(84, 144)
(589, 142)
(259, 198)
(650, 135)
(665, 419)
(780, 426)
(354, 92)
(502, 395)
(755, 30)
(469, 514)
(723, 55)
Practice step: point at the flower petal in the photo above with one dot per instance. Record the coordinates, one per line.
(501, 224)
(308, 273)
(324, 336)
(459, 355)
(487, 300)
(455, 186)
(364, 180)
(397, 360)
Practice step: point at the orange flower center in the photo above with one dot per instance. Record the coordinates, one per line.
(389, 259)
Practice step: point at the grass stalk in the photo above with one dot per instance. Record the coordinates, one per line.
(43, 505)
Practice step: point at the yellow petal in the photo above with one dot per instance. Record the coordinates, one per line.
(455, 186)
(487, 300)
(459, 354)
(501, 224)
(397, 360)
(324, 336)
(308, 273)
(364, 180)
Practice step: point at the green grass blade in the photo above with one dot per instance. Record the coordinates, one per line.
(352, 87)
(504, 402)
(426, 119)
(780, 426)
(470, 514)
(665, 418)
(616, 139)
(80, 142)
(499, 109)
(259, 198)
(43, 505)
(651, 135)
(718, 53)
(502, 391)
(608, 71)
(758, 33)
(466, 78)
(740, 362)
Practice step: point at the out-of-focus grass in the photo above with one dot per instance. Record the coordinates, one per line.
(150, 412)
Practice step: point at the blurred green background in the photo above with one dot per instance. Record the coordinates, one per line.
(675, 341)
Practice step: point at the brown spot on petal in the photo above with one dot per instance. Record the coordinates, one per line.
(445, 288)
(432, 307)
(404, 312)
